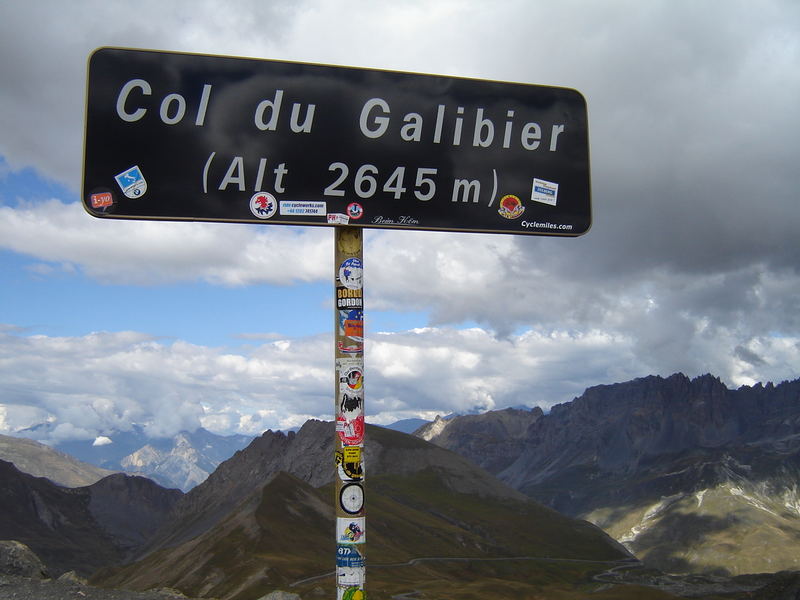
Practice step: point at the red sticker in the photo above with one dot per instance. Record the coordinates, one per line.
(102, 200)
(350, 432)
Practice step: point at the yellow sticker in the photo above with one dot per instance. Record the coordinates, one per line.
(352, 454)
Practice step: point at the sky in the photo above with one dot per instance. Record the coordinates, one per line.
(691, 265)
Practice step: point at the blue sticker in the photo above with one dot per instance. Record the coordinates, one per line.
(348, 556)
(132, 182)
(350, 273)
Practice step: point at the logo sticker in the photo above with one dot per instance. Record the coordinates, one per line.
(132, 182)
(347, 298)
(351, 374)
(510, 207)
(101, 200)
(349, 465)
(350, 531)
(544, 191)
(351, 433)
(348, 556)
(355, 210)
(350, 273)
(263, 205)
(348, 348)
(351, 324)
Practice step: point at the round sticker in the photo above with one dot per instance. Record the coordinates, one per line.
(350, 273)
(263, 205)
(351, 498)
(510, 207)
(352, 379)
(355, 210)
(349, 463)
(351, 433)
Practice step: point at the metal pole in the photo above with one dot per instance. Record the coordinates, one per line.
(349, 411)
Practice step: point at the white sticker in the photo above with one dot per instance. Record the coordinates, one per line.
(351, 530)
(338, 219)
(351, 576)
(544, 191)
(303, 209)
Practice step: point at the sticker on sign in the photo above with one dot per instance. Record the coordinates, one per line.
(545, 192)
(307, 209)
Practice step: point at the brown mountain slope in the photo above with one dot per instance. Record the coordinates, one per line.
(284, 533)
(84, 528)
(308, 455)
(54, 522)
(42, 461)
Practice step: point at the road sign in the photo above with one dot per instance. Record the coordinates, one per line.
(209, 138)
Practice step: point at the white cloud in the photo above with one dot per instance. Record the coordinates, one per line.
(87, 386)
(691, 263)
(150, 253)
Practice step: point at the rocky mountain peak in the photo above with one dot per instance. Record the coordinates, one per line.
(490, 439)
(680, 469)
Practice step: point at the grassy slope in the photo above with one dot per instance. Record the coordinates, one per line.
(285, 534)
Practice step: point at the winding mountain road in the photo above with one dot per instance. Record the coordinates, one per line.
(615, 565)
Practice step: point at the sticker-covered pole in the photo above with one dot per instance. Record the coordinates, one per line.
(349, 411)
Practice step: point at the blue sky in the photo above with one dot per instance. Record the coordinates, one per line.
(691, 264)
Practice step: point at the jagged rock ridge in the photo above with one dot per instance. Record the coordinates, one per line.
(689, 474)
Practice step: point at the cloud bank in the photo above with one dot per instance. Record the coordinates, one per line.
(691, 264)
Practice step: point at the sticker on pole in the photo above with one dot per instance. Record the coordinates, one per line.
(348, 555)
(349, 464)
(351, 374)
(350, 432)
(350, 530)
(350, 593)
(350, 273)
(351, 498)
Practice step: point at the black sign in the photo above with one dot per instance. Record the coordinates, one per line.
(209, 138)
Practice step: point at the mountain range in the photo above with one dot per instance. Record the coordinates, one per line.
(686, 474)
(264, 520)
(181, 461)
(691, 476)
(234, 535)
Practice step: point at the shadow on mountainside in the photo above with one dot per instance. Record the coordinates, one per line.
(676, 534)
